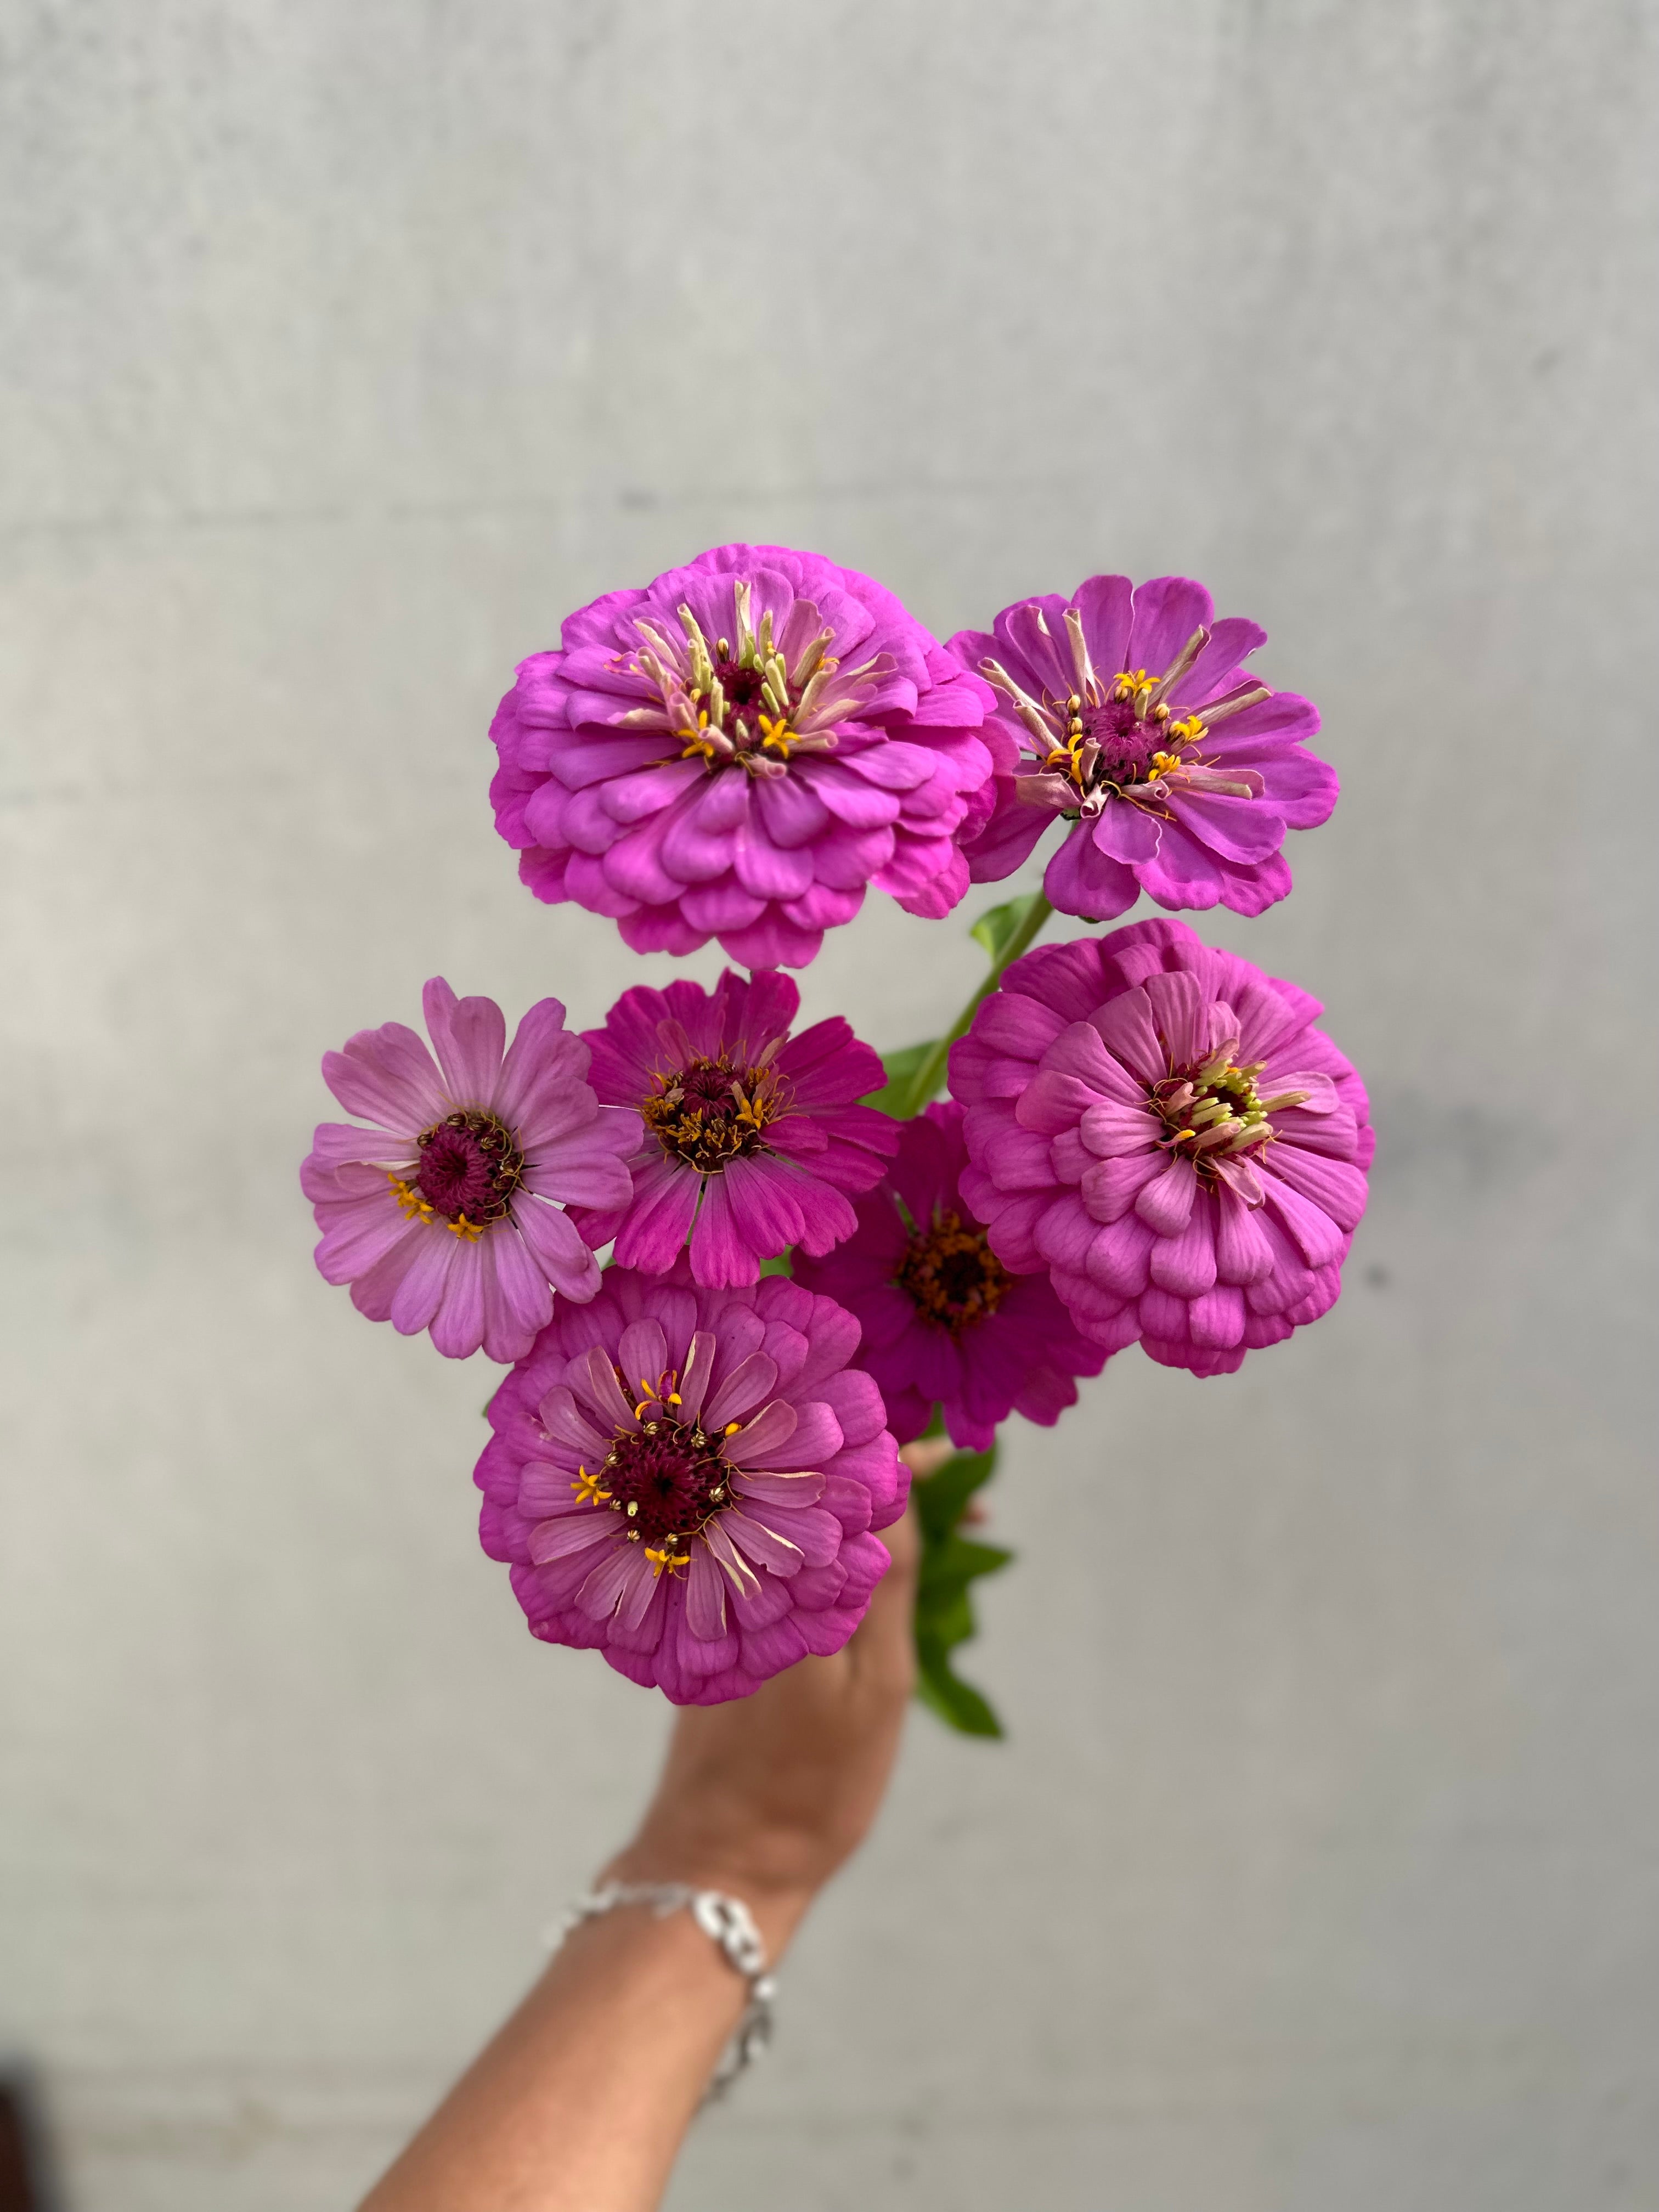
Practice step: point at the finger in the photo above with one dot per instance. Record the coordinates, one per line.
(927, 1456)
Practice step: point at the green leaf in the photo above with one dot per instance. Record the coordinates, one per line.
(944, 1613)
(957, 1704)
(780, 1263)
(997, 930)
(899, 1068)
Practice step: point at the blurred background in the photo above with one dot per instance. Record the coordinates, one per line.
(346, 347)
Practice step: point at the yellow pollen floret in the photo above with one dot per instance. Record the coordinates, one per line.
(777, 734)
(587, 1489)
(672, 1561)
(415, 1204)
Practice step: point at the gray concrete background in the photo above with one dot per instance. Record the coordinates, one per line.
(343, 349)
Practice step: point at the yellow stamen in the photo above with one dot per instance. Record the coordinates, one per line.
(672, 1561)
(587, 1489)
(416, 1207)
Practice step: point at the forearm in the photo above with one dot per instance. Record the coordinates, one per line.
(581, 2101)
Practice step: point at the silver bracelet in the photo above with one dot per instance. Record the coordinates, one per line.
(726, 1921)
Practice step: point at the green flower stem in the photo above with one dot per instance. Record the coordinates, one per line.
(929, 1076)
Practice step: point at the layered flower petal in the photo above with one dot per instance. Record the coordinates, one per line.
(449, 1215)
(946, 1324)
(685, 1478)
(752, 1137)
(1202, 1152)
(737, 750)
(1126, 712)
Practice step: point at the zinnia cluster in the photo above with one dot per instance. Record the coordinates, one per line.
(732, 1266)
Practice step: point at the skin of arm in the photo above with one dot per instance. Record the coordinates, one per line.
(580, 2102)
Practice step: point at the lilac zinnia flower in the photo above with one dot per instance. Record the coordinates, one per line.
(752, 1137)
(737, 751)
(1163, 1127)
(1179, 772)
(945, 1322)
(444, 1214)
(687, 1480)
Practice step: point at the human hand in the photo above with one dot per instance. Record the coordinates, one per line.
(766, 1796)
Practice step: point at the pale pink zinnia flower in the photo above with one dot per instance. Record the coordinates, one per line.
(445, 1213)
(1177, 771)
(737, 751)
(753, 1138)
(686, 1479)
(1165, 1130)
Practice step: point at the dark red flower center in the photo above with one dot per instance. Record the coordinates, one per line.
(710, 1110)
(1127, 745)
(952, 1273)
(741, 686)
(665, 1482)
(469, 1168)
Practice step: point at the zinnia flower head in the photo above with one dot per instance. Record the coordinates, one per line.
(686, 1479)
(1165, 1129)
(945, 1322)
(1176, 771)
(445, 1212)
(737, 751)
(752, 1137)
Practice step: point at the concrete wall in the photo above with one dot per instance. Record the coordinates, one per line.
(345, 348)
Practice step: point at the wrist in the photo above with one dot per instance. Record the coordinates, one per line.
(776, 1896)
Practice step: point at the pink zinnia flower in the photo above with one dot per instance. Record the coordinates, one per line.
(737, 751)
(445, 1213)
(686, 1479)
(752, 1137)
(1179, 773)
(1163, 1127)
(945, 1322)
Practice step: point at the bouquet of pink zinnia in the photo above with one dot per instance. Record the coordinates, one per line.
(1148, 1139)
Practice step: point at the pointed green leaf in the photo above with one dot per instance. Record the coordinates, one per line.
(944, 1613)
(997, 930)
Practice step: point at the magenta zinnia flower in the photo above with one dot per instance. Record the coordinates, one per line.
(1179, 773)
(687, 1480)
(737, 751)
(752, 1137)
(945, 1322)
(1163, 1127)
(444, 1214)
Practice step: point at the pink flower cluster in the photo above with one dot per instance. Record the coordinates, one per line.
(1148, 1140)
